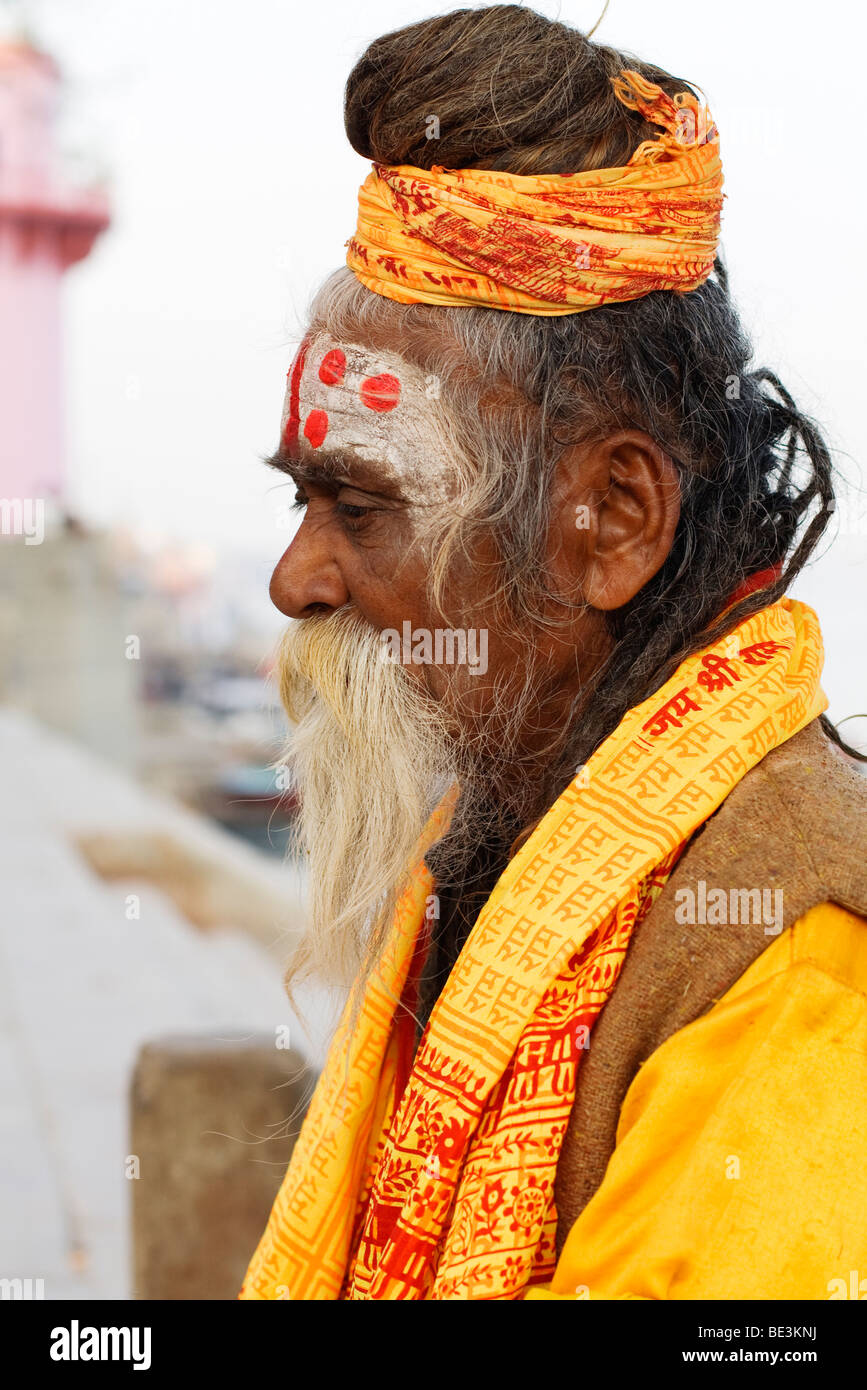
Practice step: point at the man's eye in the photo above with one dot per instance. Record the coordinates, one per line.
(347, 509)
(300, 501)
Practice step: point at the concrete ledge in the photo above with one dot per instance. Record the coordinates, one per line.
(211, 887)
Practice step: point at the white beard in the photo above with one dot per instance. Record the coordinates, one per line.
(371, 759)
(372, 755)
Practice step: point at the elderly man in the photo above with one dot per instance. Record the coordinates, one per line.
(579, 834)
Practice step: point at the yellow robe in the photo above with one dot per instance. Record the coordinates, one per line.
(739, 1171)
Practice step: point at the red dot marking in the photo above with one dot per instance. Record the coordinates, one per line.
(316, 427)
(380, 392)
(332, 367)
(293, 420)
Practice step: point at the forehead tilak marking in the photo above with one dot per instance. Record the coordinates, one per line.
(394, 428)
(380, 392)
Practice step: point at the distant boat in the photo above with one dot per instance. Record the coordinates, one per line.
(245, 800)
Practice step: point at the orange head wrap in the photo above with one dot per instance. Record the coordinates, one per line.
(553, 243)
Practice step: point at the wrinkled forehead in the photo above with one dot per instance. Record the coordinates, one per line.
(344, 396)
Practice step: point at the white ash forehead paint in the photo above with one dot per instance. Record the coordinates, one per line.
(376, 404)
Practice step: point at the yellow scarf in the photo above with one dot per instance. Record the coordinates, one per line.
(556, 243)
(433, 1178)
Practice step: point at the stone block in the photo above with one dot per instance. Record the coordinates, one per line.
(212, 1125)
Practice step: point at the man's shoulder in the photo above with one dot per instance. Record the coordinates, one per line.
(796, 821)
(790, 836)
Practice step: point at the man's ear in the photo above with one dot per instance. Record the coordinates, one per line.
(620, 505)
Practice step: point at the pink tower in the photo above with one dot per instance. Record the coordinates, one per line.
(45, 226)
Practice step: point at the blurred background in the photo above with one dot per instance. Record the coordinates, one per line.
(174, 184)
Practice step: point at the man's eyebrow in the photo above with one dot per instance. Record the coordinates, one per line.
(333, 468)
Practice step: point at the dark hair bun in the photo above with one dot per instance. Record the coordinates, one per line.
(494, 88)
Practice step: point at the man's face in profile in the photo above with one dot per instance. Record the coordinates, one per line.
(366, 442)
(363, 444)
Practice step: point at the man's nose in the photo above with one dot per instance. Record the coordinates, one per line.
(307, 577)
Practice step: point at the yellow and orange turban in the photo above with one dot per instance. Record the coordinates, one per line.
(554, 243)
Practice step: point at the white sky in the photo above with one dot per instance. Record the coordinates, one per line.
(234, 190)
